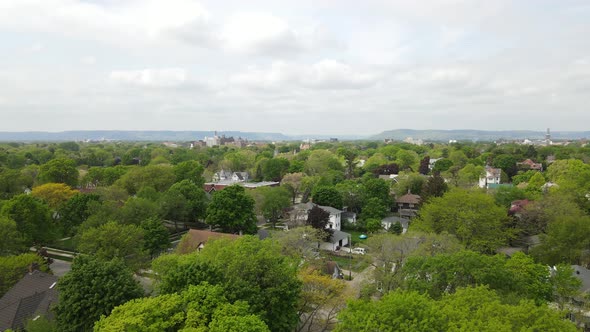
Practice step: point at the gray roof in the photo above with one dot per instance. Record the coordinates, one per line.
(338, 235)
(32, 295)
(583, 274)
(309, 205)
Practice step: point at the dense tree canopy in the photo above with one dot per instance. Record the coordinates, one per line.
(33, 219)
(469, 309)
(91, 289)
(232, 211)
(247, 269)
(471, 216)
(59, 171)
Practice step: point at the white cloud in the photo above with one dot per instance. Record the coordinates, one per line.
(326, 74)
(168, 77)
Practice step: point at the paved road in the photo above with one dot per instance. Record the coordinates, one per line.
(60, 268)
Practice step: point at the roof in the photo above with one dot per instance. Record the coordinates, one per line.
(309, 205)
(583, 274)
(195, 240)
(495, 172)
(409, 198)
(338, 235)
(32, 295)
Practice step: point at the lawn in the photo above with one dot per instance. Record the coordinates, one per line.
(67, 244)
(357, 264)
(355, 237)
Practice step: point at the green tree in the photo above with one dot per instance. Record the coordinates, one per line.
(113, 240)
(396, 311)
(406, 159)
(327, 196)
(565, 284)
(469, 309)
(199, 308)
(442, 165)
(189, 170)
(11, 241)
(274, 201)
(32, 219)
(321, 161)
(248, 270)
(377, 188)
(374, 209)
(59, 171)
(293, 182)
(232, 211)
(74, 212)
(13, 268)
(507, 163)
(136, 210)
(184, 201)
(160, 177)
(567, 241)
(396, 228)
(472, 216)
(274, 169)
(350, 161)
(373, 225)
(435, 186)
(91, 289)
(411, 182)
(155, 235)
(470, 175)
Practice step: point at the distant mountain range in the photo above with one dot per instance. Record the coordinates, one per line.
(476, 135)
(397, 134)
(134, 135)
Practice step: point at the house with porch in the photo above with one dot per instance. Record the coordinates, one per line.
(492, 176)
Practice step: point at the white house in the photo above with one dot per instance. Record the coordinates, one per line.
(301, 211)
(492, 177)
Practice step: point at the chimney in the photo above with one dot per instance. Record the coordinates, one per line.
(33, 267)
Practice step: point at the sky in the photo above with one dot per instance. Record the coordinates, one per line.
(295, 67)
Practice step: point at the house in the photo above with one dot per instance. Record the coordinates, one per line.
(240, 176)
(530, 165)
(517, 206)
(196, 239)
(431, 162)
(387, 222)
(30, 298)
(492, 176)
(300, 212)
(222, 175)
(348, 216)
(337, 240)
(408, 205)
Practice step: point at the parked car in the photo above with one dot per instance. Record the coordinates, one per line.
(359, 251)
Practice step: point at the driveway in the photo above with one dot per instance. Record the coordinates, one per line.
(60, 268)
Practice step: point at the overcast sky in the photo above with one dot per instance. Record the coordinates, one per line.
(296, 67)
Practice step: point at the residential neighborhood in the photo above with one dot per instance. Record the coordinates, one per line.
(184, 218)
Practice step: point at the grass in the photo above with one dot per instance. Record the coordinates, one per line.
(357, 264)
(67, 244)
(355, 237)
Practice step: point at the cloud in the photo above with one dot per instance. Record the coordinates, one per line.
(167, 77)
(326, 74)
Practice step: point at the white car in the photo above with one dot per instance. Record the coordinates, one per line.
(359, 251)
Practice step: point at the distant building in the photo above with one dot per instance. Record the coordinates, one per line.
(414, 141)
(530, 165)
(408, 205)
(492, 176)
